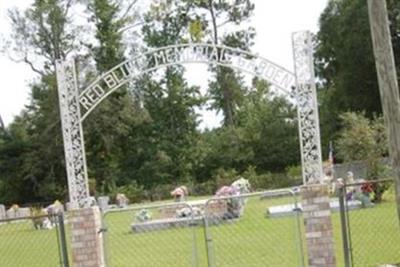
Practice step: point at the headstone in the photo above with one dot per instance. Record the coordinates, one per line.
(10, 213)
(103, 202)
(2, 212)
(55, 208)
(122, 200)
(22, 212)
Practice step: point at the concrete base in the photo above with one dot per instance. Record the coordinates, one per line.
(170, 223)
(290, 209)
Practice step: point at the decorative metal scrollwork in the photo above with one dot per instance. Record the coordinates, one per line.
(307, 108)
(71, 102)
(72, 134)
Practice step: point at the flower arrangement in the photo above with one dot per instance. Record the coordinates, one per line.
(143, 215)
(235, 204)
(180, 193)
(366, 194)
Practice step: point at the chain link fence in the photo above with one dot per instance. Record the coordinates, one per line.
(371, 227)
(151, 235)
(260, 229)
(33, 242)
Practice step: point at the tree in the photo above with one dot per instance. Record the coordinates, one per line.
(2, 127)
(270, 123)
(108, 127)
(345, 62)
(205, 20)
(226, 90)
(363, 139)
(14, 146)
(40, 35)
(265, 136)
(164, 141)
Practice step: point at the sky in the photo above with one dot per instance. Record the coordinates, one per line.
(274, 21)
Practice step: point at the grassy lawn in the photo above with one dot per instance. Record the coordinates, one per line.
(253, 240)
(246, 242)
(22, 245)
(375, 235)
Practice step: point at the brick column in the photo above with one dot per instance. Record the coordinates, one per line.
(87, 242)
(318, 225)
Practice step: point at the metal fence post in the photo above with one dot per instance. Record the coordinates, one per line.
(208, 238)
(63, 241)
(104, 230)
(344, 224)
(195, 250)
(299, 232)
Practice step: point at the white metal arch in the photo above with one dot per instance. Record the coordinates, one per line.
(72, 102)
(189, 53)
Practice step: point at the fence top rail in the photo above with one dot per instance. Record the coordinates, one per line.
(369, 181)
(272, 193)
(149, 206)
(190, 204)
(29, 217)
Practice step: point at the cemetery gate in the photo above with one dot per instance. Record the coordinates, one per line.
(268, 231)
(76, 104)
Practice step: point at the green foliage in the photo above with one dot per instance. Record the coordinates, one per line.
(144, 139)
(226, 89)
(365, 140)
(196, 30)
(345, 62)
(344, 57)
(132, 191)
(361, 138)
(389, 195)
(109, 52)
(13, 148)
(270, 128)
(36, 171)
(356, 138)
(108, 129)
(224, 177)
(295, 174)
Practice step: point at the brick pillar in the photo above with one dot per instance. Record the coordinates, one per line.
(87, 242)
(318, 225)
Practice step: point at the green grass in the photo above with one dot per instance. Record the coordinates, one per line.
(253, 240)
(242, 243)
(21, 245)
(375, 235)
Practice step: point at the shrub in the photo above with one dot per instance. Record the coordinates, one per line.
(207, 188)
(161, 191)
(224, 177)
(132, 191)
